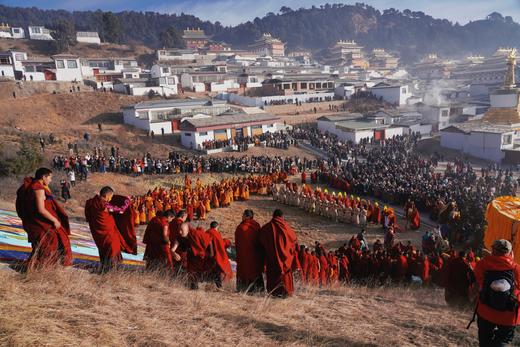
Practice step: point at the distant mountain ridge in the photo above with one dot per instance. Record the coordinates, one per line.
(410, 34)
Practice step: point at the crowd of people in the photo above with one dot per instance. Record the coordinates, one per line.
(393, 171)
(280, 139)
(179, 163)
(197, 199)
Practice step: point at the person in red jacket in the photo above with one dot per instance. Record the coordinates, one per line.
(250, 258)
(498, 276)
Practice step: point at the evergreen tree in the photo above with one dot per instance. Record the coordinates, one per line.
(64, 36)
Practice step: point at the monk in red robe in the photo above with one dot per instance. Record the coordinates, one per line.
(304, 177)
(197, 244)
(459, 278)
(157, 254)
(221, 269)
(278, 240)
(324, 267)
(250, 258)
(314, 269)
(103, 228)
(415, 218)
(44, 220)
(174, 229)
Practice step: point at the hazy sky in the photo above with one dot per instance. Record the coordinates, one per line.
(237, 11)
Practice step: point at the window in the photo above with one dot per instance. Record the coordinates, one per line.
(165, 70)
(203, 133)
(60, 64)
(36, 30)
(72, 64)
(128, 75)
(286, 86)
(403, 90)
(507, 139)
(303, 85)
(270, 125)
(16, 30)
(187, 134)
(29, 69)
(294, 86)
(318, 85)
(311, 85)
(444, 113)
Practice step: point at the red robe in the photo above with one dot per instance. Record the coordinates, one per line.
(49, 245)
(250, 258)
(125, 223)
(278, 240)
(314, 270)
(415, 220)
(220, 257)
(324, 267)
(304, 177)
(189, 212)
(157, 252)
(198, 245)
(104, 230)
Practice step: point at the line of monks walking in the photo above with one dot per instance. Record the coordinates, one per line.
(175, 246)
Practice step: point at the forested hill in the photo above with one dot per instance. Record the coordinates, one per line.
(411, 34)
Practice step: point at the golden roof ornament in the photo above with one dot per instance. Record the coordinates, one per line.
(510, 82)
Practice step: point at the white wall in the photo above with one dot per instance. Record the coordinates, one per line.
(393, 95)
(390, 132)
(89, 39)
(36, 76)
(188, 139)
(363, 134)
(259, 101)
(6, 71)
(156, 127)
(480, 145)
(69, 74)
(143, 91)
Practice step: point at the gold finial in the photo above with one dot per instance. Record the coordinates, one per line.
(510, 75)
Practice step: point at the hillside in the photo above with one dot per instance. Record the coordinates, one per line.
(411, 34)
(144, 55)
(63, 307)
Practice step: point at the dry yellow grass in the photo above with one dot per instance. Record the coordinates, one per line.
(68, 307)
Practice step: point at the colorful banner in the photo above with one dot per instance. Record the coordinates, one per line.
(14, 245)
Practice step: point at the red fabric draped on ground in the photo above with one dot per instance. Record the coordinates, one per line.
(49, 245)
(104, 230)
(278, 240)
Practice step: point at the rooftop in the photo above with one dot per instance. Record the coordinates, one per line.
(219, 121)
(340, 117)
(176, 103)
(360, 125)
(481, 127)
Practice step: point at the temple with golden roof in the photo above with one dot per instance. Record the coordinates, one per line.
(505, 102)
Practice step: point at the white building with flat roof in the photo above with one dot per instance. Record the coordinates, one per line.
(168, 114)
(481, 139)
(68, 67)
(396, 94)
(39, 33)
(88, 37)
(196, 131)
